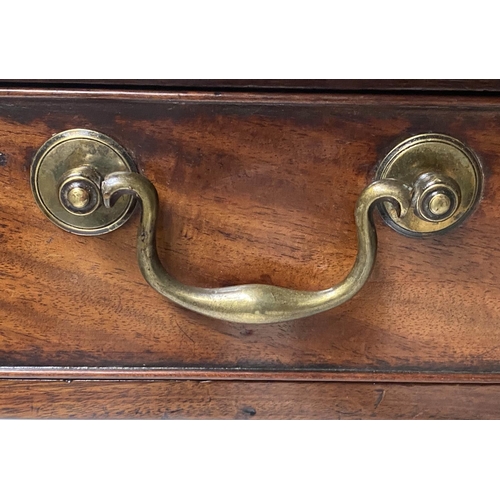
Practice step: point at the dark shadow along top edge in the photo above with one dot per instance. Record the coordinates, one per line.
(316, 86)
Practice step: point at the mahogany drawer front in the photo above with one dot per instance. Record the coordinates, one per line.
(192, 399)
(253, 188)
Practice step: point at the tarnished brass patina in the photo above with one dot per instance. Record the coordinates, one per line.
(78, 197)
(447, 180)
(254, 303)
(80, 190)
(79, 159)
(427, 184)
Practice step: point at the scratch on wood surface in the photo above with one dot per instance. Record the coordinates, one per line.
(184, 333)
(380, 397)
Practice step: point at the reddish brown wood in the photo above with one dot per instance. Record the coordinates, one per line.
(253, 188)
(246, 400)
(158, 373)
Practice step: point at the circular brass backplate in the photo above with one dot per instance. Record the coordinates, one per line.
(73, 149)
(441, 155)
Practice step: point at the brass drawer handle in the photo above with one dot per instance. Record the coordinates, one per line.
(253, 303)
(416, 201)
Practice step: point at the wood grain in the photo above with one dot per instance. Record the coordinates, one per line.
(253, 188)
(246, 400)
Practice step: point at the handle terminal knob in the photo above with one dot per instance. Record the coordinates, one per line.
(80, 190)
(436, 197)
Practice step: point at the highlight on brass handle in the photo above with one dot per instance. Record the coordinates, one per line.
(95, 193)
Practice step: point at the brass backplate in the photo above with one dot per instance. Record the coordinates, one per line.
(444, 156)
(73, 149)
